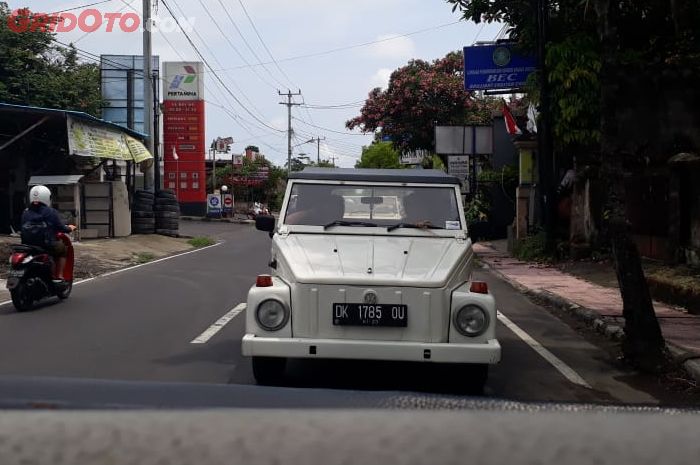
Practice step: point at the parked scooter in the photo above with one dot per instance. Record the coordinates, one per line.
(31, 276)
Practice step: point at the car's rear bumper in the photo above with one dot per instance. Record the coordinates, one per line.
(483, 353)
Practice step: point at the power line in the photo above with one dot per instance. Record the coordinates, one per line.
(348, 47)
(82, 6)
(267, 49)
(330, 130)
(206, 63)
(231, 44)
(247, 44)
(213, 55)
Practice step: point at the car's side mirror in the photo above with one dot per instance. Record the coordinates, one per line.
(265, 223)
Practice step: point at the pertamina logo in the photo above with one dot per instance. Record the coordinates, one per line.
(182, 80)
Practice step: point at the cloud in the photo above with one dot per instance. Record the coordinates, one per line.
(396, 48)
(381, 78)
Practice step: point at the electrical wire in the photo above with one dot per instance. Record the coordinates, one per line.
(328, 129)
(216, 75)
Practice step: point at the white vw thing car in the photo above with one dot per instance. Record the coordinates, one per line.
(371, 265)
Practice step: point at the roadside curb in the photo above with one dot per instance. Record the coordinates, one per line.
(688, 361)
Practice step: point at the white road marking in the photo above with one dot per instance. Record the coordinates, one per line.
(112, 273)
(562, 367)
(219, 325)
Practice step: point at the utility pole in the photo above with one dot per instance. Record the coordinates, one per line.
(290, 131)
(149, 178)
(546, 159)
(318, 149)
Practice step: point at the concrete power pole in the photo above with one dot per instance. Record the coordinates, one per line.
(290, 131)
(149, 176)
(318, 150)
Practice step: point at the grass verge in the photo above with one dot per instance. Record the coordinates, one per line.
(199, 242)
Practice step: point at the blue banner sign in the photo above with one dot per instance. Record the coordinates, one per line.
(495, 67)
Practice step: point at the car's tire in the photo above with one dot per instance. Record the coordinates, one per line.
(21, 299)
(167, 196)
(142, 214)
(474, 378)
(167, 208)
(142, 231)
(170, 202)
(144, 194)
(144, 222)
(166, 193)
(168, 232)
(168, 224)
(142, 206)
(163, 214)
(269, 371)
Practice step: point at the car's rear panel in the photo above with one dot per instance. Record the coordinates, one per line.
(427, 315)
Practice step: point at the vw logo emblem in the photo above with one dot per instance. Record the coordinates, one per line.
(370, 298)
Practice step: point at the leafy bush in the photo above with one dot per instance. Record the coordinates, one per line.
(532, 249)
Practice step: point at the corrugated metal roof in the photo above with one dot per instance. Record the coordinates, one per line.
(6, 107)
(55, 180)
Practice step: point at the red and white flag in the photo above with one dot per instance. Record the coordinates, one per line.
(511, 125)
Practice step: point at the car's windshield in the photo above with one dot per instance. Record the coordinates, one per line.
(384, 206)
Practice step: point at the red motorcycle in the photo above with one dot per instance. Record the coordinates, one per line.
(32, 277)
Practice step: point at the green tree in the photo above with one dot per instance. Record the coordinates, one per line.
(379, 155)
(616, 70)
(419, 95)
(35, 71)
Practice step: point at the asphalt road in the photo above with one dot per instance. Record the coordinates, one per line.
(138, 325)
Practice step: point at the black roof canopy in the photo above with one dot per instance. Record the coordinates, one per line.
(376, 175)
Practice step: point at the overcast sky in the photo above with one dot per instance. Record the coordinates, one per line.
(291, 29)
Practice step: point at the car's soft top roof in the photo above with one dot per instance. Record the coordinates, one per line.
(375, 175)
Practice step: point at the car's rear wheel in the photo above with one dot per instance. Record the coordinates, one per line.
(473, 379)
(269, 371)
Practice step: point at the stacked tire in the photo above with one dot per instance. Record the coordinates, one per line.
(143, 220)
(167, 213)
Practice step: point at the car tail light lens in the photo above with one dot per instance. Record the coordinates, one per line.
(264, 280)
(17, 258)
(479, 287)
(471, 321)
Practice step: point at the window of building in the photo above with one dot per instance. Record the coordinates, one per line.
(183, 185)
(171, 176)
(183, 175)
(171, 185)
(195, 175)
(195, 185)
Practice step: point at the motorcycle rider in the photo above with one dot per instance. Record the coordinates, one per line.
(41, 223)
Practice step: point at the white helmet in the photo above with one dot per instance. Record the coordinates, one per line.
(40, 194)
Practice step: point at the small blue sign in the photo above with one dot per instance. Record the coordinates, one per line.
(496, 67)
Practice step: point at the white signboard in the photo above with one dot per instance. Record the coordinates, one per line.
(460, 167)
(213, 204)
(464, 140)
(183, 80)
(414, 158)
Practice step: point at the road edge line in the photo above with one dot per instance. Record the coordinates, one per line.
(133, 267)
(561, 366)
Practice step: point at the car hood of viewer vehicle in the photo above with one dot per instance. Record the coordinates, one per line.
(374, 260)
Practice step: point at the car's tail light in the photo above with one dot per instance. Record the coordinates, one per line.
(263, 280)
(17, 258)
(479, 287)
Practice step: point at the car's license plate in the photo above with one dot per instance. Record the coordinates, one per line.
(370, 315)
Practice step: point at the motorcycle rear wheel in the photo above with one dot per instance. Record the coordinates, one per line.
(21, 299)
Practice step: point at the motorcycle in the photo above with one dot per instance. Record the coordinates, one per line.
(31, 276)
(256, 210)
